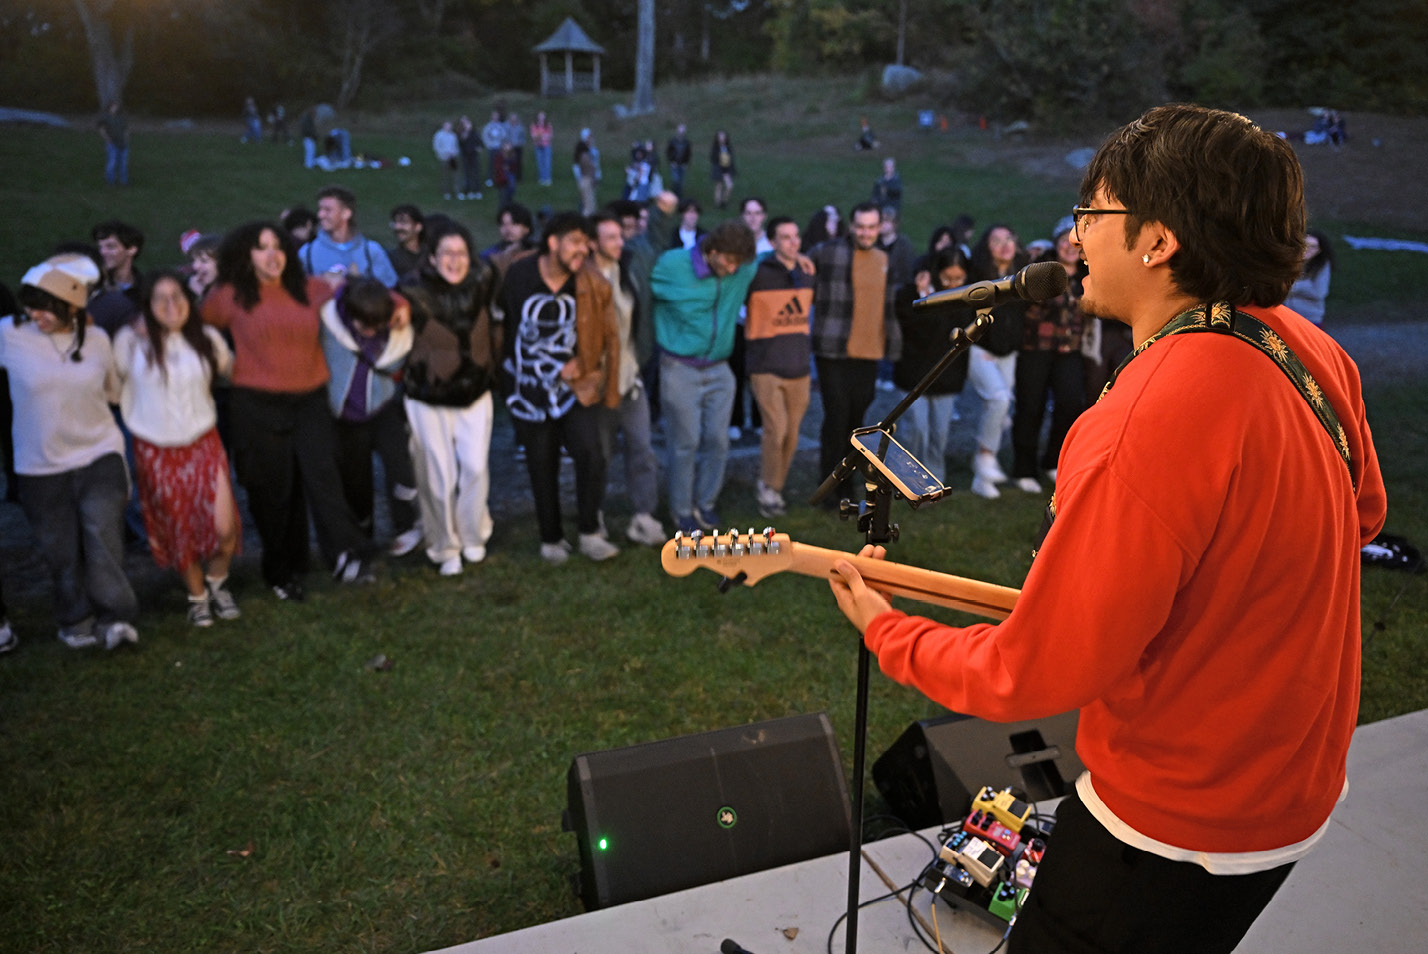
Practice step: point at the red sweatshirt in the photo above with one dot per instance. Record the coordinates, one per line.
(277, 346)
(1197, 597)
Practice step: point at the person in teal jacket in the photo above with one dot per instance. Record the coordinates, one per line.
(697, 296)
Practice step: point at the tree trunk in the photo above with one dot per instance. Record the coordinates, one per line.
(645, 58)
(111, 64)
(902, 33)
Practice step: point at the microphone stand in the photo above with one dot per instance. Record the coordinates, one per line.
(874, 521)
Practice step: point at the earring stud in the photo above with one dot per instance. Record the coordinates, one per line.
(1145, 258)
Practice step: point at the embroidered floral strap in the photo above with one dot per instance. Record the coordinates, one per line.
(1222, 318)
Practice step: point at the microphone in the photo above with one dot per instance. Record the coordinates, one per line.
(1033, 283)
(730, 947)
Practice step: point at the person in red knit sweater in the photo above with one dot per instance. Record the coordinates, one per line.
(1196, 596)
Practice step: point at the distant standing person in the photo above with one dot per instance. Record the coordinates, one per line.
(679, 153)
(252, 122)
(516, 139)
(1312, 287)
(493, 135)
(469, 141)
(887, 188)
(587, 171)
(721, 168)
(542, 135)
(114, 129)
(447, 149)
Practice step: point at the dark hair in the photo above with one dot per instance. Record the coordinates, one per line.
(205, 245)
(763, 206)
(605, 215)
(37, 298)
(345, 196)
(982, 266)
(731, 237)
(817, 230)
(937, 234)
(128, 235)
(1313, 266)
(868, 206)
(235, 263)
(688, 203)
(192, 329)
(624, 208)
(439, 228)
(771, 226)
(962, 226)
(410, 211)
(367, 302)
(561, 224)
(519, 214)
(1232, 193)
(943, 259)
(298, 216)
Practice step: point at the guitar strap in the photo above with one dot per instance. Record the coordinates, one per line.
(1222, 318)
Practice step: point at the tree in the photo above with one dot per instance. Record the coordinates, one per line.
(645, 58)
(359, 28)
(111, 62)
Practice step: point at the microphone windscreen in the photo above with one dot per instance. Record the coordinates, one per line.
(1042, 281)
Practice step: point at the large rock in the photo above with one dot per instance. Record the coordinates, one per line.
(899, 79)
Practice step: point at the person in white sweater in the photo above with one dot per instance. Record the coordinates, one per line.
(166, 363)
(69, 454)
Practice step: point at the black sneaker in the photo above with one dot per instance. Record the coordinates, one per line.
(290, 591)
(199, 612)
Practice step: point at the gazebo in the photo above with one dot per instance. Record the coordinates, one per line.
(570, 40)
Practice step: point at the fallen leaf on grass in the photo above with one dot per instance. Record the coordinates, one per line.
(243, 852)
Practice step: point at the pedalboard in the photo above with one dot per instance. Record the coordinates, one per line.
(989, 860)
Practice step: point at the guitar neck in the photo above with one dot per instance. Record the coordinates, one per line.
(927, 586)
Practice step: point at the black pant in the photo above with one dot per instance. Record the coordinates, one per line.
(286, 458)
(741, 384)
(1039, 373)
(579, 432)
(384, 434)
(846, 387)
(1095, 894)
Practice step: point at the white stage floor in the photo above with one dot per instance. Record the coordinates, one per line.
(1364, 887)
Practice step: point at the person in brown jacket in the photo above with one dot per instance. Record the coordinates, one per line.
(562, 353)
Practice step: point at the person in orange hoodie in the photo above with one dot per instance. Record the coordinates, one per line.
(1196, 596)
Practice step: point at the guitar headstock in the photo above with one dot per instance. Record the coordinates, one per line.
(755, 555)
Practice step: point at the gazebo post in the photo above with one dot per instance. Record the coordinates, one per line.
(597, 72)
(569, 73)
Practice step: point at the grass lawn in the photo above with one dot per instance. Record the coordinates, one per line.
(257, 787)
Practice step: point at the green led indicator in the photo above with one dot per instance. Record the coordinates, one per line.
(604, 844)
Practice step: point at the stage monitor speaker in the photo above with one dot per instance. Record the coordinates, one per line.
(669, 815)
(929, 775)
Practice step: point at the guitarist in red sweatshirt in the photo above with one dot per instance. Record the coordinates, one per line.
(1196, 596)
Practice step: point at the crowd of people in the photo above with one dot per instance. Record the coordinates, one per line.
(297, 349)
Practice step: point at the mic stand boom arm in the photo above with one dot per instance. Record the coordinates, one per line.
(875, 522)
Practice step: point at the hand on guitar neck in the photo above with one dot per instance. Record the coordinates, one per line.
(858, 601)
(748, 558)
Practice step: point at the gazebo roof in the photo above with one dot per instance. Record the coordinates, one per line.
(569, 36)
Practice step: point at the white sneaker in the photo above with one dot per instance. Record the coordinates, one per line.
(596, 547)
(555, 553)
(646, 530)
(770, 501)
(450, 566)
(986, 467)
(78, 640)
(1028, 484)
(473, 554)
(8, 639)
(119, 633)
(404, 543)
(983, 487)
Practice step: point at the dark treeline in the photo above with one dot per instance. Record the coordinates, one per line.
(1050, 61)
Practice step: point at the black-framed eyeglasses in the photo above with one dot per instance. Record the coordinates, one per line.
(1082, 216)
